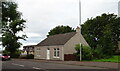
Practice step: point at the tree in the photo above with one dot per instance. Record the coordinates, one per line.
(60, 30)
(102, 33)
(12, 24)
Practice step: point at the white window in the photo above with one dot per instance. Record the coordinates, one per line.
(38, 52)
(56, 52)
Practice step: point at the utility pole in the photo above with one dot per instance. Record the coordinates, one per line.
(80, 27)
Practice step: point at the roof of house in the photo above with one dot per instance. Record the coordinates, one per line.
(59, 39)
(29, 46)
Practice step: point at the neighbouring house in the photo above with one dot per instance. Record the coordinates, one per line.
(60, 46)
(29, 49)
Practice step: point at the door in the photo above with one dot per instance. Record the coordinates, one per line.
(48, 53)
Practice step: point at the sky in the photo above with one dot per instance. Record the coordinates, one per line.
(43, 15)
(119, 8)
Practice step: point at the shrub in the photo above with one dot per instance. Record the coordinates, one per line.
(16, 54)
(86, 52)
(99, 54)
(30, 56)
(23, 57)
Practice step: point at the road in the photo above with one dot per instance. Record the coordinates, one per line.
(27, 65)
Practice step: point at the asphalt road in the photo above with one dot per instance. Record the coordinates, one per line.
(26, 65)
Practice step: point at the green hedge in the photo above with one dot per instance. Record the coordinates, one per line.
(30, 56)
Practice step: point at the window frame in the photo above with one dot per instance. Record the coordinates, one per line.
(56, 53)
(38, 52)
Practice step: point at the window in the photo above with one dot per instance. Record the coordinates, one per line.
(56, 52)
(38, 52)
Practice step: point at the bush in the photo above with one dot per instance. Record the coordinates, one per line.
(13, 55)
(99, 54)
(16, 54)
(86, 52)
(30, 56)
(23, 57)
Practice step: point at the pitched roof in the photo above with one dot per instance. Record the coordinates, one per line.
(59, 39)
(29, 46)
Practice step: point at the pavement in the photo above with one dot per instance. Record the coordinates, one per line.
(108, 65)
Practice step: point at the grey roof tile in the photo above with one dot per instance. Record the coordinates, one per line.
(59, 39)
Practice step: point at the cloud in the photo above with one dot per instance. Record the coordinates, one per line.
(29, 34)
(43, 15)
(33, 35)
(94, 8)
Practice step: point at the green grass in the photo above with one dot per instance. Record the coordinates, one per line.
(115, 59)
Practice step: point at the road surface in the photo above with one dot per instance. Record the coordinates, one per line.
(27, 65)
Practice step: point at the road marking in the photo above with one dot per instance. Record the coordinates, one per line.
(18, 65)
(36, 68)
(21, 65)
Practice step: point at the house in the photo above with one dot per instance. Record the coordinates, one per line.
(29, 49)
(59, 47)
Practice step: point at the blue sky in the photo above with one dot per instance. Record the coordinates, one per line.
(43, 15)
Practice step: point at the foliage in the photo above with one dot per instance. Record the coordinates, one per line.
(60, 30)
(5, 52)
(12, 24)
(102, 32)
(23, 57)
(97, 53)
(86, 52)
(112, 59)
(15, 55)
(30, 56)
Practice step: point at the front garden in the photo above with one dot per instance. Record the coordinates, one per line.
(96, 55)
(115, 58)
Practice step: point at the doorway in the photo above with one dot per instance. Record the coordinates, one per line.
(48, 53)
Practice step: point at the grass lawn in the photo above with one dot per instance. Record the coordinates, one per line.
(115, 59)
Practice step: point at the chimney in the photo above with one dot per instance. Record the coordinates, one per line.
(78, 29)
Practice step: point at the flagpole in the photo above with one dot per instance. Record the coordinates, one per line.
(80, 27)
(80, 13)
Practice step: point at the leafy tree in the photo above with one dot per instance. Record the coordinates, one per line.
(60, 30)
(102, 32)
(12, 24)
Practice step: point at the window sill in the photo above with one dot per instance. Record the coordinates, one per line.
(38, 55)
(56, 57)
